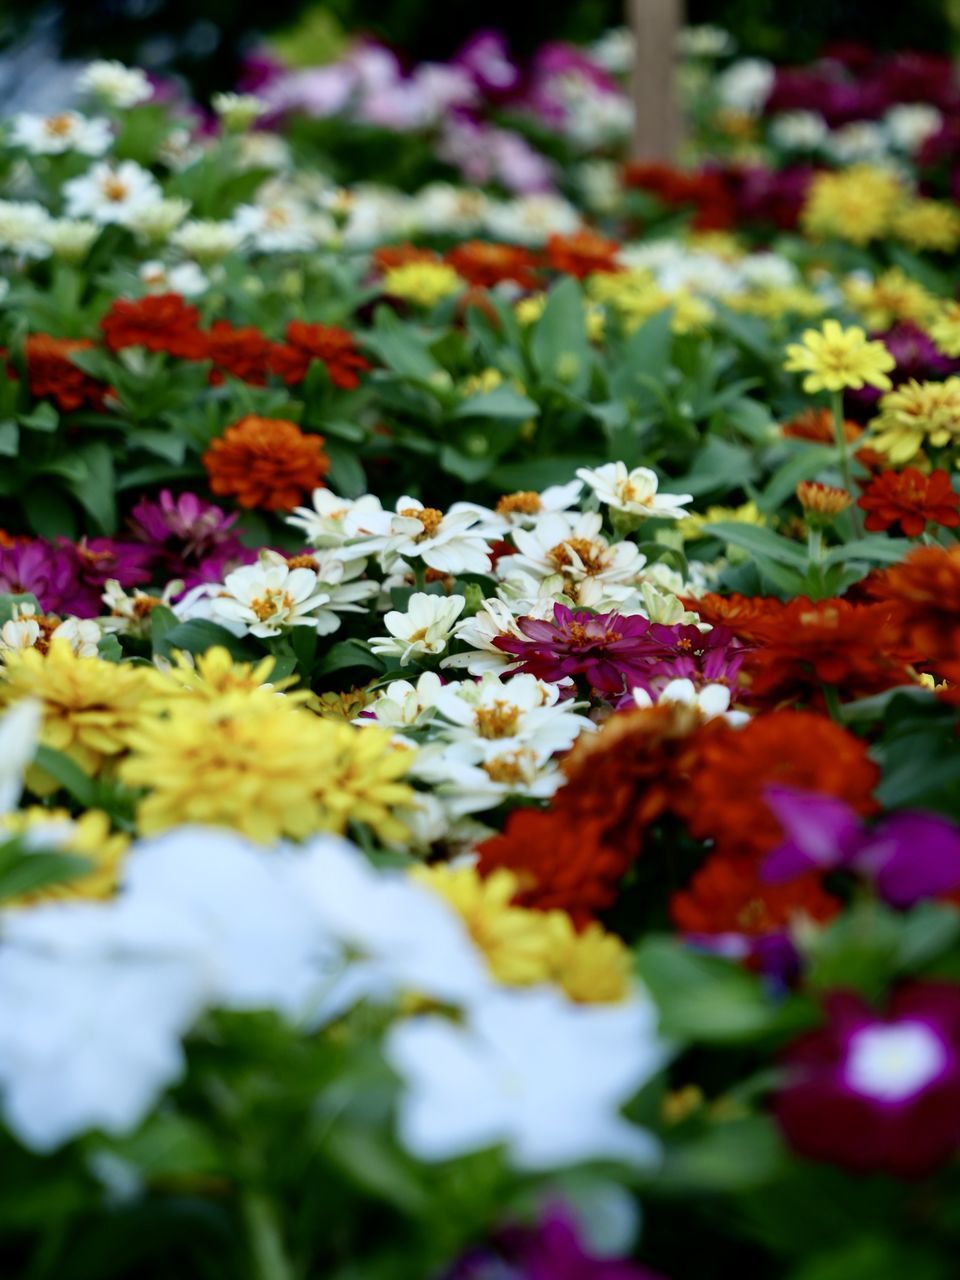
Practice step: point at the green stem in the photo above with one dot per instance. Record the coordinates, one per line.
(268, 1256)
(814, 545)
(832, 699)
(841, 439)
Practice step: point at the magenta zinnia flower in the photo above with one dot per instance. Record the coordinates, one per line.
(550, 1250)
(908, 855)
(189, 538)
(39, 569)
(875, 1093)
(95, 561)
(610, 652)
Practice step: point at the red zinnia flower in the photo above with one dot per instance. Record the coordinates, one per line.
(484, 263)
(925, 592)
(399, 255)
(161, 322)
(244, 353)
(334, 347)
(910, 499)
(52, 374)
(727, 895)
(731, 769)
(582, 254)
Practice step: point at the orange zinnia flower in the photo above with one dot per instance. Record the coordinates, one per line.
(400, 255)
(817, 425)
(910, 499)
(581, 254)
(723, 799)
(162, 322)
(727, 895)
(266, 462)
(806, 644)
(51, 373)
(334, 347)
(925, 592)
(483, 263)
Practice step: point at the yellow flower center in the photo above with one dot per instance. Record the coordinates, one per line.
(429, 517)
(589, 553)
(274, 600)
(524, 503)
(498, 721)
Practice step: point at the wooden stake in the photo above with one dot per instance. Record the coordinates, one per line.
(658, 128)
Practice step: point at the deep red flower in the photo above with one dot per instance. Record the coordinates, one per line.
(910, 499)
(244, 353)
(52, 375)
(925, 592)
(335, 348)
(160, 322)
(878, 1093)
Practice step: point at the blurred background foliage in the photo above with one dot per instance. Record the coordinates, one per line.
(205, 40)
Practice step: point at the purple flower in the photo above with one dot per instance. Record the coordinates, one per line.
(189, 538)
(916, 357)
(40, 569)
(550, 1250)
(609, 651)
(877, 1093)
(711, 657)
(95, 561)
(487, 61)
(909, 856)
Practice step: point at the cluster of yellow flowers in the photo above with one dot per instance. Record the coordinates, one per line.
(211, 743)
(525, 947)
(916, 415)
(634, 296)
(864, 203)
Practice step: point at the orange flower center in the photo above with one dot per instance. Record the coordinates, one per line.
(429, 517)
(58, 126)
(304, 561)
(498, 721)
(273, 601)
(115, 189)
(524, 503)
(589, 554)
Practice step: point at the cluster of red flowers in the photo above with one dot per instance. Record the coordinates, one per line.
(483, 263)
(910, 500)
(649, 763)
(164, 322)
(705, 193)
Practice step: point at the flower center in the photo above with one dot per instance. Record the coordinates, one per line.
(524, 503)
(508, 770)
(114, 189)
(590, 555)
(894, 1062)
(273, 601)
(304, 561)
(429, 517)
(498, 721)
(59, 126)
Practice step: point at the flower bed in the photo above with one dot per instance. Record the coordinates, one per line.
(479, 676)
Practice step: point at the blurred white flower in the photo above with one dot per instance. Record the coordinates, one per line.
(798, 130)
(745, 85)
(23, 228)
(423, 630)
(70, 239)
(238, 110)
(711, 700)
(531, 1071)
(633, 491)
(115, 84)
(206, 239)
(185, 278)
(110, 193)
(910, 124)
(19, 735)
(66, 131)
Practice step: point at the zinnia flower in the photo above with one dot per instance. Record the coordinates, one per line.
(423, 283)
(925, 592)
(39, 569)
(266, 462)
(483, 263)
(334, 348)
(835, 358)
(90, 707)
(878, 1093)
(52, 375)
(917, 414)
(911, 500)
(244, 353)
(88, 836)
(582, 254)
(608, 650)
(160, 322)
(260, 765)
(188, 538)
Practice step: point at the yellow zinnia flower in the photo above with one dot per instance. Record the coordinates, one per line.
(525, 947)
(214, 673)
(856, 204)
(691, 526)
(424, 283)
(916, 414)
(927, 225)
(90, 707)
(57, 830)
(834, 358)
(945, 329)
(258, 763)
(892, 297)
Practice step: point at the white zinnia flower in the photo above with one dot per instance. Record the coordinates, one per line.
(116, 84)
(424, 629)
(529, 1070)
(282, 226)
(238, 110)
(573, 548)
(633, 491)
(185, 278)
(745, 85)
(111, 193)
(70, 239)
(531, 220)
(156, 220)
(711, 700)
(455, 542)
(19, 733)
(909, 124)
(206, 239)
(266, 598)
(401, 705)
(798, 130)
(495, 716)
(23, 227)
(66, 131)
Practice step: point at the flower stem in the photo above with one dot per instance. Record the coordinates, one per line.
(841, 439)
(832, 699)
(268, 1256)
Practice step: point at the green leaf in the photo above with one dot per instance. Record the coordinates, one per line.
(43, 417)
(760, 542)
(348, 653)
(707, 999)
(501, 402)
(9, 438)
(347, 476)
(804, 464)
(94, 489)
(28, 871)
(68, 774)
(558, 342)
(399, 347)
(879, 550)
(197, 636)
(719, 464)
(732, 1156)
(646, 353)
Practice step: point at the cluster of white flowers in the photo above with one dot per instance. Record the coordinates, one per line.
(96, 999)
(899, 133)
